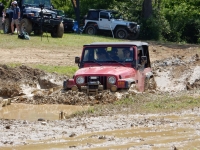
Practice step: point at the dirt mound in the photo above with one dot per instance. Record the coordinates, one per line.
(177, 73)
(14, 81)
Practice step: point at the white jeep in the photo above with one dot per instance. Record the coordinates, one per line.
(99, 20)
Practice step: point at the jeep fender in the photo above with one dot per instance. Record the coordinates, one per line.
(119, 26)
(68, 84)
(149, 75)
(91, 23)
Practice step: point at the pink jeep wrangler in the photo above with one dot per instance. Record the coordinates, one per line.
(112, 66)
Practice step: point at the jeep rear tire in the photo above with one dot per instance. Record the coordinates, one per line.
(121, 33)
(26, 26)
(91, 30)
(7, 26)
(58, 31)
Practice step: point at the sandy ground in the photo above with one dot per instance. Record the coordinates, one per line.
(176, 68)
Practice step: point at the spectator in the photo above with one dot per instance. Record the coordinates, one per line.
(1, 15)
(16, 17)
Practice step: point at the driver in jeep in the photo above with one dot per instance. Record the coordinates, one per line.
(102, 55)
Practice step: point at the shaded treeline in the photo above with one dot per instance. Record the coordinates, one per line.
(168, 20)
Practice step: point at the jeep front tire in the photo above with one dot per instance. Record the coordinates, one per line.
(26, 26)
(7, 26)
(121, 33)
(91, 30)
(58, 31)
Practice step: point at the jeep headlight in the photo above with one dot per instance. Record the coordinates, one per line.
(37, 14)
(80, 80)
(128, 25)
(112, 80)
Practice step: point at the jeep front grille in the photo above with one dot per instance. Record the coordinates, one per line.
(132, 25)
(101, 79)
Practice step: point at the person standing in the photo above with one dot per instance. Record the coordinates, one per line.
(1, 15)
(16, 17)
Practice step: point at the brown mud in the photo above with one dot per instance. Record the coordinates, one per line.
(176, 69)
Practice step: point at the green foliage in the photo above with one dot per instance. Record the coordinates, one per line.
(125, 101)
(150, 29)
(6, 3)
(13, 65)
(183, 16)
(130, 10)
(88, 111)
(172, 103)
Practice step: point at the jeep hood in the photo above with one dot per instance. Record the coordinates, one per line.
(121, 21)
(37, 9)
(106, 70)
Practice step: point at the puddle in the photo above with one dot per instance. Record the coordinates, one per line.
(131, 139)
(33, 112)
(152, 131)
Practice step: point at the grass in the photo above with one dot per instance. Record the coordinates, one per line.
(47, 42)
(145, 103)
(63, 70)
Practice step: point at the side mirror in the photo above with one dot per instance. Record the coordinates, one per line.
(77, 60)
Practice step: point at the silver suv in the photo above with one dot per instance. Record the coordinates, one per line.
(99, 20)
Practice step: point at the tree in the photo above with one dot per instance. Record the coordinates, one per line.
(147, 10)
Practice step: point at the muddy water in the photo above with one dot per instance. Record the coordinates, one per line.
(167, 132)
(34, 112)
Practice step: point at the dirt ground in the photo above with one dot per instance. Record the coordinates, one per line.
(176, 68)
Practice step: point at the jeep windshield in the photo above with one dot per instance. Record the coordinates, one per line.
(36, 3)
(108, 54)
(115, 15)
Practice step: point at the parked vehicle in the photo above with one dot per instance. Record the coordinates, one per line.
(36, 17)
(109, 21)
(67, 22)
(108, 66)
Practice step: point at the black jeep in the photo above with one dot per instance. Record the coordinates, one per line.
(68, 23)
(36, 16)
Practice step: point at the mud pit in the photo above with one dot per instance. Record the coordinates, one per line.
(176, 69)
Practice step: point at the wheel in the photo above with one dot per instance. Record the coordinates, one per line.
(91, 30)
(26, 26)
(38, 32)
(150, 84)
(58, 31)
(121, 33)
(133, 36)
(7, 26)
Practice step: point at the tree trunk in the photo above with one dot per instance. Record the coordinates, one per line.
(147, 9)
